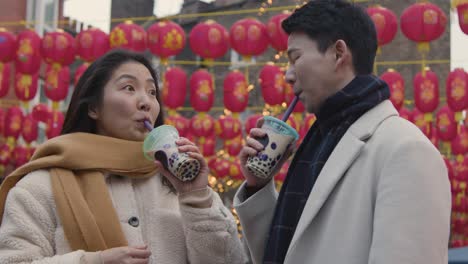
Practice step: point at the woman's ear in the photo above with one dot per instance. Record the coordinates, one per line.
(92, 112)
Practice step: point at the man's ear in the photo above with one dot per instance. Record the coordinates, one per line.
(92, 112)
(341, 52)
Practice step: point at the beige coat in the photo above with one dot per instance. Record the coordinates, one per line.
(383, 197)
(175, 230)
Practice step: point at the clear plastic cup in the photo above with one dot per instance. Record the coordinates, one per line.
(279, 136)
(160, 145)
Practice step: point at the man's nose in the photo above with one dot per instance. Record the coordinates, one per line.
(290, 75)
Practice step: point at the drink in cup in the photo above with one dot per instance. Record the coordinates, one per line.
(160, 145)
(279, 136)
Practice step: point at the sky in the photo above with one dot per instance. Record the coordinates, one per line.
(99, 16)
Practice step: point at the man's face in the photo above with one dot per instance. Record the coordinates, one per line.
(311, 73)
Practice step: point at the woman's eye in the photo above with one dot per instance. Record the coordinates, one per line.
(129, 88)
(153, 92)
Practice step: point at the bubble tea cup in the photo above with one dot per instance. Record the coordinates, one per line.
(160, 145)
(279, 136)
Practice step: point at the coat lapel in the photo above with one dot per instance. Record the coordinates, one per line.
(342, 157)
(340, 160)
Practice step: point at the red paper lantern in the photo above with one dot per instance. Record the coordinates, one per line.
(128, 36)
(13, 121)
(228, 127)
(396, 83)
(434, 137)
(41, 112)
(165, 39)
(249, 37)
(278, 37)
(92, 44)
(57, 82)
(28, 56)
(201, 90)
(309, 120)
(174, 87)
(2, 121)
(54, 124)
(462, 10)
(209, 40)
(423, 22)
(29, 129)
(290, 121)
(181, 123)
(26, 86)
(406, 114)
(385, 22)
(236, 95)
(289, 96)
(20, 156)
(233, 146)
(79, 71)
(221, 168)
(4, 79)
(202, 125)
(251, 122)
(58, 47)
(235, 171)
(457, 91)
(207, 145)
(5, 156)
(281, 176)
(272, 83)
(446, 125)
(422, 123)
(460, 142)
(426, 91)
(7, 46)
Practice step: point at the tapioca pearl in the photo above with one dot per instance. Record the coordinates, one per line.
(264, 157)
(278, 157)
(273, 145)
(273, 163)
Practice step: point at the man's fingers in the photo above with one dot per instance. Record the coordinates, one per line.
(139, 253)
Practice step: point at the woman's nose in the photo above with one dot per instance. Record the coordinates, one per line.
(290, 76)
(143, 103)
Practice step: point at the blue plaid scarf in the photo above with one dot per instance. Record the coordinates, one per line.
(336, 115)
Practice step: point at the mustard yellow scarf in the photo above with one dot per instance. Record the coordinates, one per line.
(76, 163)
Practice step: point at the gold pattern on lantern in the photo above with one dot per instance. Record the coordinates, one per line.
(239, 33)
(172, 40)
(25, 47)
(457, 92)
(272, 28)
(1, 73)
(397, 95)
(240, 91)
(444, 120)
(279, 83)
(86, 40)
(24, 83)
(430, 17)
(52, 78)
(379, 21)
(207, 124)
(48, 41)
(465, 17)
(137, 35)
(117, 37)
(27, 126)
(15, 123)
(254, 32)
(214, 36)
(62, 42)
(427, 88)
(153, 38)
(204, 89)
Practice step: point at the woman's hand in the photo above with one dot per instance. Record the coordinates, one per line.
(126, 255)
(200, 181)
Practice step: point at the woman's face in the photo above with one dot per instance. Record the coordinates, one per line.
(129, 99)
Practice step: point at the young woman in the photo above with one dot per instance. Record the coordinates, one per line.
(90, 196)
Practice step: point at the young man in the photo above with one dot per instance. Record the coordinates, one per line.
(365, 186)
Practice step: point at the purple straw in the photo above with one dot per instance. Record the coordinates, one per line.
(148, 125)
(290, 108)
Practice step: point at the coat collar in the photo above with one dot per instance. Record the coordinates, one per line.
(342, 157)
